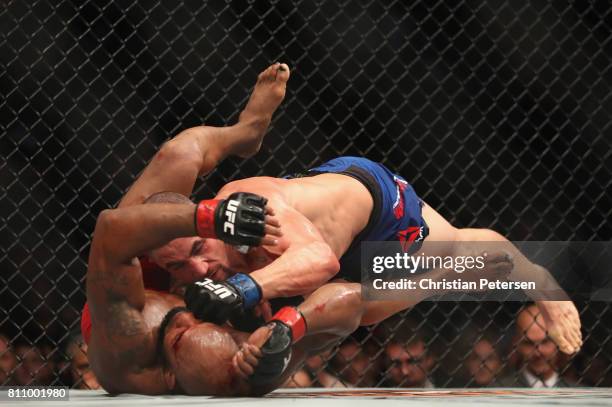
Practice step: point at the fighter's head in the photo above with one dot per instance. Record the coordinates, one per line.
(190, 259)
(197, 357)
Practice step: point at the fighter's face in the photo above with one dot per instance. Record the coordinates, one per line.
(173, 335)
(193, 258)
(199, 355)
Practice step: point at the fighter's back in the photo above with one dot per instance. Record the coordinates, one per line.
(337, 205)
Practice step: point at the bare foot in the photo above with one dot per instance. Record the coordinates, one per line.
(563, 324)
(268, 93)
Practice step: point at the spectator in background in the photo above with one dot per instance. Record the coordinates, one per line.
(475, 360)
(35, 366)
(8, 361)
(484, 366)
(537, 354)
(355, 365)
(299, 379)
(80, 373)
(407, 360)
(316, 367)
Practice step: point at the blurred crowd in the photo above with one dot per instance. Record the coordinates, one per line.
(400, 352)
(403, 353)
(27, 364)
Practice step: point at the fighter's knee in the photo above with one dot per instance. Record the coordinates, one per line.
(348, 297)
(179, 150)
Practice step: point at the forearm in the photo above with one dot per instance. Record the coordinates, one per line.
(297, 271)
(129, 232)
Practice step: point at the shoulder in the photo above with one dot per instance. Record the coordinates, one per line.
(266, 186)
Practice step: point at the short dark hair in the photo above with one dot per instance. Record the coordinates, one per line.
(162, 331)
(167, 197)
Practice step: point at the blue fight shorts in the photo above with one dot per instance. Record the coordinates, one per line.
(396, 215)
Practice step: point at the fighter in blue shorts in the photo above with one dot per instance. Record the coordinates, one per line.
(396, 213)
(324, 215)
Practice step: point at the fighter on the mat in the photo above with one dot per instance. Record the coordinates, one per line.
(183, 256)
(325, 216)
(146, 341)
(325, 213)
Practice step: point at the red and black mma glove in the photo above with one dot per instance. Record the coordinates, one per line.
(238, 220)
(218, 301)
(288, 326)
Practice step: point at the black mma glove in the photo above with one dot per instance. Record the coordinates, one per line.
(238, 220)
(288, 327)
(217, 302)
(246, 320)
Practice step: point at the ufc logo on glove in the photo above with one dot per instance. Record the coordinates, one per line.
(219, 289)
(230, 214)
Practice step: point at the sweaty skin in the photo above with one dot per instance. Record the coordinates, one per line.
(317, 231)
(195, 357)
(125, 317)
(311, 210)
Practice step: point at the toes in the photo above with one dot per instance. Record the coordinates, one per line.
(266, 75)
(282, 72)
(269, 74)
(576, 340)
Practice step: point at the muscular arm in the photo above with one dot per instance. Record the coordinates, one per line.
(307, 263)
(115, 288)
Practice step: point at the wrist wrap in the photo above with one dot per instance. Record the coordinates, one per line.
(248, 289)
(205, 218)
(294, 319)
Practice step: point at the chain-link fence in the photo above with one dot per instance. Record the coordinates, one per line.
(498, 112)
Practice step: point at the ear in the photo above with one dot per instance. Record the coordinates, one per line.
(169, 379)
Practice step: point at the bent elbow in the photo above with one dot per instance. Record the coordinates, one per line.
(328, 261)
(105, 219)
(333, 265)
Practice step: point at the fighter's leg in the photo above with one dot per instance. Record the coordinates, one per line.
(498, 266)
(198, 150)
(562, 318)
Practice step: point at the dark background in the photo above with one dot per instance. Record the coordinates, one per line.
(498, 112)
